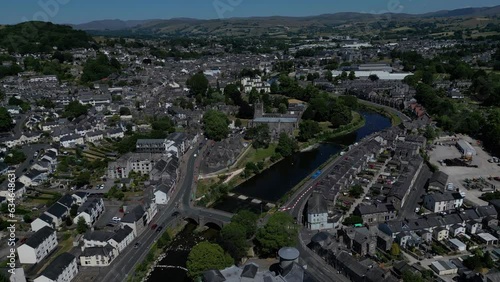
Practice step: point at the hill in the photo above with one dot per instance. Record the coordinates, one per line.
(347, 23)
(33, 37)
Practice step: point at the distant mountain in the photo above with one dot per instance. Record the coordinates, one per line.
(275, 26)
(465, 12)
(111, 24)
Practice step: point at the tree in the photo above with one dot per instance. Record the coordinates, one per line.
(81, 225)
(68, 221)
(74, 210)
(238, 122)
(395, 249)
(282, 108)
(286, 145)
(233, 237)
(15, 157)
(329, 75)
(99, 68)
(352, 75)
(164, 240)
(248, 220)
(308, 129)
(6, 123)
(164, 124)
(260, 136)
(124, 111)
(409, 276)
(356, 191)
(352, 220)
(373, 77)
(74, 109)
(216, 125)
(280, 231)
(198, 84)
(253, 96)
(205, 256)
(27, 218)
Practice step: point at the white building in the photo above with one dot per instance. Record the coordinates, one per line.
(38, 246)
(90, 211)
(444, 267)
(122, 238)
(71, 140)
(61, 269)
(257, 83)
(440, 202)
(317, 213)
(162, 195)
(98, 256)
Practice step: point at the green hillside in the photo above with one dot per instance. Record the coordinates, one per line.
(33, 37)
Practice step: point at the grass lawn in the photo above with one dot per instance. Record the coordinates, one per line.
(256, 155)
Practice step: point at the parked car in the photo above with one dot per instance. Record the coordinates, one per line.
(115, 218)
(159, 228)
(136, 245)
(153, 227)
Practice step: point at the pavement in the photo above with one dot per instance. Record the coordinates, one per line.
(411, 203)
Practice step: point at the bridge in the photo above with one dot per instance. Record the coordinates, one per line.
(207, 217)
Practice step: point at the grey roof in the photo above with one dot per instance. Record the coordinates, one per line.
(317, 204)
(98, 251)
(57, 210)
(288, 253)
(41, 235)
(66, 200)
(439, 179)
(46, 218)
(250, 270)
(213, 276)
(122, 233)
(57, 266)
(134, 215)
(275, 120)
(98, 235)
(320, 237)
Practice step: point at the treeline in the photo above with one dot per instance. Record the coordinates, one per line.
(99, 68)
(42, 37)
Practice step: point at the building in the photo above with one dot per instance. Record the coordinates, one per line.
(317, 213)
(375, 213)
(162, 194)
(277, 123)
(438, 181)
(98, 256)
(457, 245)
(61, 269)
(466, 148)
(142, 163)
(158, 146)
(257, 83)
(443, 201)
(136, 219)
(122, 238)
(38, 246)
(444, 267)
(90, 211)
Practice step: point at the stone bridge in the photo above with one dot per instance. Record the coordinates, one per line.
(207, 217)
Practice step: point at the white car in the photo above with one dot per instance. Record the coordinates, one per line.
(115, 218)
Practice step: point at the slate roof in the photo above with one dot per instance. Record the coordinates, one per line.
(57, 266)
(439, 179)
(122, 233)
(57, 210)
(41, 235)
(66, 200)
(98, 235)
(134, 215)
(213, 276)
(98, 251)
(250, 270)
(317, 204)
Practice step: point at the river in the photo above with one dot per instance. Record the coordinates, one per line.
(273, 183)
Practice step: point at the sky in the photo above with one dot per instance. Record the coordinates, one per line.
(82, 11)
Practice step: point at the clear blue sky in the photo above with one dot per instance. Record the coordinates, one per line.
(80, 11)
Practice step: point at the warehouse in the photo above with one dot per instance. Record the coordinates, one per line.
(466, 148)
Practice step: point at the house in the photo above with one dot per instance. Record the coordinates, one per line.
(473, 226)
(61, 269)
(122, 238)
(71, 140)
(50, 156)
(443, 201)
(162, 194)
(443, 267)
(317, 212)
(58, 212)
(457, 229)
(94, 137)
(457, 245)
(487, 238)
(98, 256)
(33, 177)
(438, 181)
(360, 240)
(161, 146)
(441, 233)
(80, 197)
(136, 219)
(115, 133)
(19, 191)
(42, 221)
(180, 140)
(375, 213)
(38, 246)
(90, 211)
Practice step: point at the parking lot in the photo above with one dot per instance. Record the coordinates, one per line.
(112, 210)
(458, 174)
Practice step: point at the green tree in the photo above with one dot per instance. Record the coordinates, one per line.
(286, 145)
(99, 68)
(14, 157)
(308, 129)
(329, 75)
(260, 136)
(124, 111)
(206, 256)
(395, 251)
(356, 191)
(280, 231)
(74, 109)
(6, 123)
(81, 225)
(373, 77)
(352, 75)
(163, 123)
(198, 84)
(352, 220)
(27, 218)
(409, 276)
(282, 108)
(164, 240)
(248, 220)
(253, 96)
(238, 122)
(233, 237)
(74, 210)
(216, 125)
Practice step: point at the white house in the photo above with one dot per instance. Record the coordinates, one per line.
(317, 213)
(443, 201)
(90, 211)
(71, 140)
(38, 246)
(98, 256)
(62, 269)
(19, 191)
(136, 219)
(94, 137)
(33, 177)
(443, 267)
(122, 238)
(162, 195)
(115, 133)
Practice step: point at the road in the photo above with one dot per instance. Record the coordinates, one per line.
(124, 265)
(411, 203)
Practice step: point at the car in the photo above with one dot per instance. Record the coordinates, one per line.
(159, 228)
(136, 245)
(176, 213)
(153, 227)
(115, 218)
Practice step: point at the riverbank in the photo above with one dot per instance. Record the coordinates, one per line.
(395, 119)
